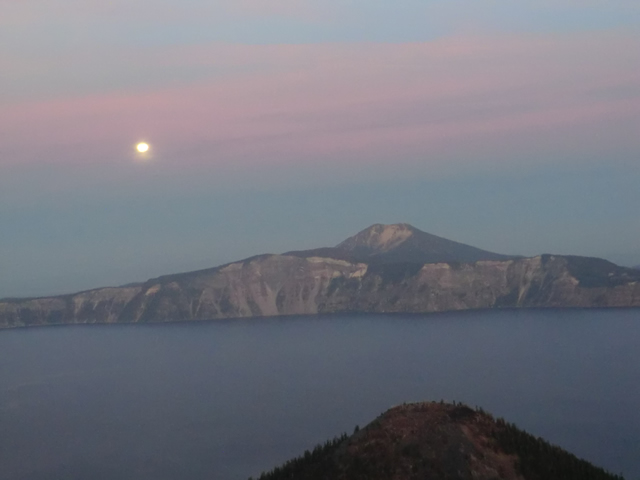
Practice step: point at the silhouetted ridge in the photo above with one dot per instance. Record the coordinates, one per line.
(437, 441)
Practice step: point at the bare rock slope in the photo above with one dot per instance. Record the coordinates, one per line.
(344, 279)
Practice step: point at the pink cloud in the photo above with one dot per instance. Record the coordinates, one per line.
(400, 102)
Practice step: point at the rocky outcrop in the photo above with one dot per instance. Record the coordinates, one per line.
(271, 285)
(437, 441)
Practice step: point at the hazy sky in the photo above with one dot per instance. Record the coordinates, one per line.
(281, 124)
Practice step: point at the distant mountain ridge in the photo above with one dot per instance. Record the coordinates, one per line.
(437, 441)
(402, 242)
(384, 268)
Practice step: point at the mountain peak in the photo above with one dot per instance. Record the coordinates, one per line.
(402, 242)
(437, 441)
(379, 238)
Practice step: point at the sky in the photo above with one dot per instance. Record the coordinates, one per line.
(278, 124)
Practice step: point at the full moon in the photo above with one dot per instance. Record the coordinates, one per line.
(142, 147)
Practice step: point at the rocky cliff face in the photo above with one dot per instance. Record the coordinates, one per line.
(289, 284)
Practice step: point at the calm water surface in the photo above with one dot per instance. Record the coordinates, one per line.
(226, 400)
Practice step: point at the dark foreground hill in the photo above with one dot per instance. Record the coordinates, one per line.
(437, 441)
(392, 268)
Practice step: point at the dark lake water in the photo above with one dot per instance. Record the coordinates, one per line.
(229, 399)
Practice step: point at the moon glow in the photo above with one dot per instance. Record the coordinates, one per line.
(142, 147)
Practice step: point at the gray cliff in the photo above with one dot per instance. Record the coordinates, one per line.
(367, 273)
